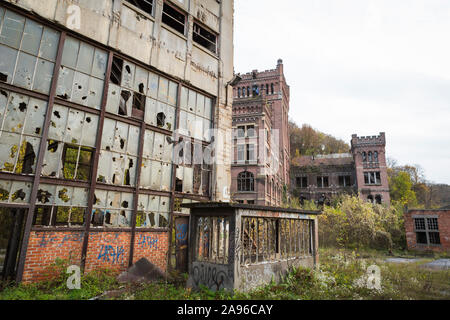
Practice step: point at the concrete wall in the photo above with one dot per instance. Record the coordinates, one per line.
(253, 276)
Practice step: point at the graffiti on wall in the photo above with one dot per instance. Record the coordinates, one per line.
(210, 276)
(148, 242)
(112, 254)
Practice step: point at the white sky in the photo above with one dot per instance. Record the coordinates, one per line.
(359, 66)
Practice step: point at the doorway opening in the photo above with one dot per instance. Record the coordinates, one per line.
(12, 222)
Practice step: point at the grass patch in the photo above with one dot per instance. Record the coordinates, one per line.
(342, 275)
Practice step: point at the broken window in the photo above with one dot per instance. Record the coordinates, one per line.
(301, 182)
(268, 239)
(205, 38)
(364, 156)
(427, 230)
(156, 170)
(372, 178)
(272, 88)
(60, 206)
(322, 182)
(245, 182)
(173, 18)
(370, 156)
(23, 120)
(112, 209)
(77, 162)
(196, 115)
(118, 155)
(144, 5)
(255, 90)
(71, 144)
(15, 191)
(378, 199)
(211, 243)
(375, 156)
(82, 73)
(28, 51)
(344, 181)
(239, 92)
(154, 211)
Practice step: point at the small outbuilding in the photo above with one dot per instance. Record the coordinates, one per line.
(240, 246)
(428, 229)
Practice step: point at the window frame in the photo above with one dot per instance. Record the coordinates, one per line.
(427, 230)
(173, 7)
(201, 26)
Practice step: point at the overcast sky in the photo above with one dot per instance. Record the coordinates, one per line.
(359, 66)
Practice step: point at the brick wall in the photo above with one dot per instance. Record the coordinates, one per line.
(153, 247)
(45, 247)
(444, 229)
(105, 250)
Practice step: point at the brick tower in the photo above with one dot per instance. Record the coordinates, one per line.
(370, 165)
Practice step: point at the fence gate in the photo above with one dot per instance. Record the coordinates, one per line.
(181, 243)
(11, 229)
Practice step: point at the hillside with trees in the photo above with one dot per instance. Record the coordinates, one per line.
(306, 141)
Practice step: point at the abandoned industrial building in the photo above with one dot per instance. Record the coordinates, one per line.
(96, 99)
(260, 168)
(363, 171)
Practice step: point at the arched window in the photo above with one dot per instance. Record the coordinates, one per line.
(378, 198)
(271, 88)
(364, 156)
(239, 92)
(267, 88)
(375, 156)
(370, 156)
(248, 91)
(370, 198)
(246, 181)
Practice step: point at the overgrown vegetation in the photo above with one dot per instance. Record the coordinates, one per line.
(342, 275)
(55, 288)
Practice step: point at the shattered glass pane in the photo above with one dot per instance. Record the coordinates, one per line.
(65, 80)
(80, 88)
(112, 105)
(141, 80)
(150, 112)
(20, 192)
(95, 93)
(128, 75)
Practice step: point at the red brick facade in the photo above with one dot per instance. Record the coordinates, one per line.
(261, 101)
(443, 221)
(105, 250)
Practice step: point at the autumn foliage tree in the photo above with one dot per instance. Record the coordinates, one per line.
(306, 141)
